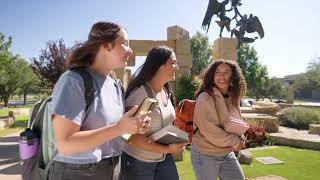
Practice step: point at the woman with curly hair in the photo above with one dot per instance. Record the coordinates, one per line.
(218, 97)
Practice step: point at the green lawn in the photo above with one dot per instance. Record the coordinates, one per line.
(298, 164)
(20, 124)
(4, 112)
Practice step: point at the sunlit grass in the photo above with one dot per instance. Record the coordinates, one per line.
(298, 164)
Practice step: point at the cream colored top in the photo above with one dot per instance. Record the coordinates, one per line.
(160, 117)
(209, 117)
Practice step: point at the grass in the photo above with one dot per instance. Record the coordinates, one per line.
(185, 168)
(298, 164)
(4, 112)
(20, 124)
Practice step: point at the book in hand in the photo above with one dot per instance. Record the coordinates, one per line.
(148, 104)
(169, 135)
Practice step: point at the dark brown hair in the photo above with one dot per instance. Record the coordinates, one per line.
(84, 53)
(156, 57)
(238, 87)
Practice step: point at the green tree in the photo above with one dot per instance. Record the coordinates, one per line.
(189, 83)
(201, 53)
(6, 58)
(275, 89)
(30, 82)
(311, 79)
(5, 55)
(255, 73)
(15, 72)
(12, 78)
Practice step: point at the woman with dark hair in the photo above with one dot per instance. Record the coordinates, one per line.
(144, 159)
(88, 140)
(217, 98)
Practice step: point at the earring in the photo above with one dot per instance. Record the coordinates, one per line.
(231, 84)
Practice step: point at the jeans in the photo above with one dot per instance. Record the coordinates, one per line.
(106, 169)
(133, 169)
(225, 167)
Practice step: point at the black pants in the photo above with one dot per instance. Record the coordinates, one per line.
(106, 169)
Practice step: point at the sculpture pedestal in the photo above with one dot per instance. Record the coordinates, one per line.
(290, 94)
(225, 48)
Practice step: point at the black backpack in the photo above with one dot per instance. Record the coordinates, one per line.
(37, 167)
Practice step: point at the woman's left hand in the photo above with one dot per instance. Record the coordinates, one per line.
(145, 123)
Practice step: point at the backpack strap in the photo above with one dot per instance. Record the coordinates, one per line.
(214, 100)
(88, 85)
(37, 124)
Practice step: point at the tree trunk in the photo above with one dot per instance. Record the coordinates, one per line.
(5, 100)
(24, 97)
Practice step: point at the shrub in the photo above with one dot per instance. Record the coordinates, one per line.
(186, 87)
(299, 117)
(257, 136)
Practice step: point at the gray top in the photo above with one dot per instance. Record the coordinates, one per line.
(106, 109)
(160, 117)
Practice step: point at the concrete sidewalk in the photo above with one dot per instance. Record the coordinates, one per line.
(10, 168)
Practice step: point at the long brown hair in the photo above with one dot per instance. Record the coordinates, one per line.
(237, 87)
(83, 54)
(156, 57)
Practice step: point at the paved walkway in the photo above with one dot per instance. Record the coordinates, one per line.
(10, 168)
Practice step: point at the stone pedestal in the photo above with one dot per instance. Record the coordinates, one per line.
(177, 32)
(290, 94)
(225, 48)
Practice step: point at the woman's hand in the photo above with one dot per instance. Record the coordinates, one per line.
(129, 124)
(239, 146)
(144, 123)
(176, 148)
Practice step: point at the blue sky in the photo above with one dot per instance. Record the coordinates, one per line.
(291, 40)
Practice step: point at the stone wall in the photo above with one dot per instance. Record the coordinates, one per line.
(177, 38)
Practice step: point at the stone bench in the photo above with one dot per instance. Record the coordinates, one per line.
(6, 122)
(271, 110)
(294, 138)
(314, 129)
(268, 122)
